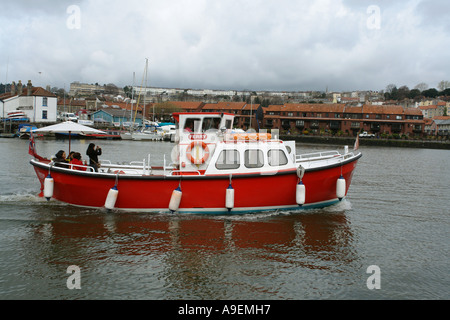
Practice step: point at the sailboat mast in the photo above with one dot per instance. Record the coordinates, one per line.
(132, 99)
(145, 92)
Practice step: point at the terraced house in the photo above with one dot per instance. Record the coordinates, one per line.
(334, 118)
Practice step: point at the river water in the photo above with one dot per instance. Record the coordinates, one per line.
(387, 240)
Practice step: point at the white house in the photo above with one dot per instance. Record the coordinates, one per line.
(38, 104)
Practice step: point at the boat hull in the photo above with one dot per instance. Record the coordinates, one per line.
(200, 194)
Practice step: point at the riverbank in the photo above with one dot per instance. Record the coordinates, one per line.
(350, 141)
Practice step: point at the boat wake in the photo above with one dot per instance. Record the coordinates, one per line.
(24, 197)
(340, 207)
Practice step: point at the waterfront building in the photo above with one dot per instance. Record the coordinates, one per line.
(116, 116)
(344, 119)
(433, 110)
(438, 126)
(39, 105)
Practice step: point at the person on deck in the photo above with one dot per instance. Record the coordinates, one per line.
(77, 162)
(60, 159)
(93, 152)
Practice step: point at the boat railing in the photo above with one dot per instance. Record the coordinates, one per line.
(316, 156)
(75, 166)
(143, 167)
(70, 166)
(328, 157)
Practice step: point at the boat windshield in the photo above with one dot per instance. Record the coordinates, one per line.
(212, 123)
(192, 124)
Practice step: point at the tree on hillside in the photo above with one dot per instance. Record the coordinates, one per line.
(402, 93)
(421, 86)
(414, 93)
(430, 93)
(391, 92)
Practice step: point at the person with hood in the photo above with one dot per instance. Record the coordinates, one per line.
(93, 152)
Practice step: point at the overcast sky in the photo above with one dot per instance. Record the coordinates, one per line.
(291, 45)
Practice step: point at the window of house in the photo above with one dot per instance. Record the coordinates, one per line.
(398, 117)
(290, 114)
(228, 159)
(44, 114)
(253, 159)
(44, 101)
(277, 157)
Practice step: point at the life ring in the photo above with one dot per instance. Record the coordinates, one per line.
(205, 152)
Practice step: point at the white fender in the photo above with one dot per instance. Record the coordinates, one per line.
(48, 187)
(300, 194)
(175, 200)
(229, 198)
(340, 188)
(111, 198)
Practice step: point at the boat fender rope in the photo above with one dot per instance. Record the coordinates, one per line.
(300, 172)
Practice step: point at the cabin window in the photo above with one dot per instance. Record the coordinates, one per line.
(277, 157)
(228, 124)
(210, 123)
(192, 125)
(228, 159)
(253, 158)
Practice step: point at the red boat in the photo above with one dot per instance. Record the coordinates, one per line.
(213, 170)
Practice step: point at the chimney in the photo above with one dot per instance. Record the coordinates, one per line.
(13, 88)
(19, 88)
(29, 88)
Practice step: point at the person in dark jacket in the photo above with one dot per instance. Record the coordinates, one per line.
(60, 159)
(93, 152)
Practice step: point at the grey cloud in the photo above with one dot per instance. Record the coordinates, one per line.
(279, 45)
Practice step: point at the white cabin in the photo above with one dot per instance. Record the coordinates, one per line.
(208, 145)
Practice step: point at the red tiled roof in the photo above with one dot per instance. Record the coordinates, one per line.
(384, 109)
(305, 107)
(428, 107)
(441, 118)
(224, 106)
(250, 106)
(35, 91)
(413, 111)
(187, 105)
(125, 105)
(353, 109)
